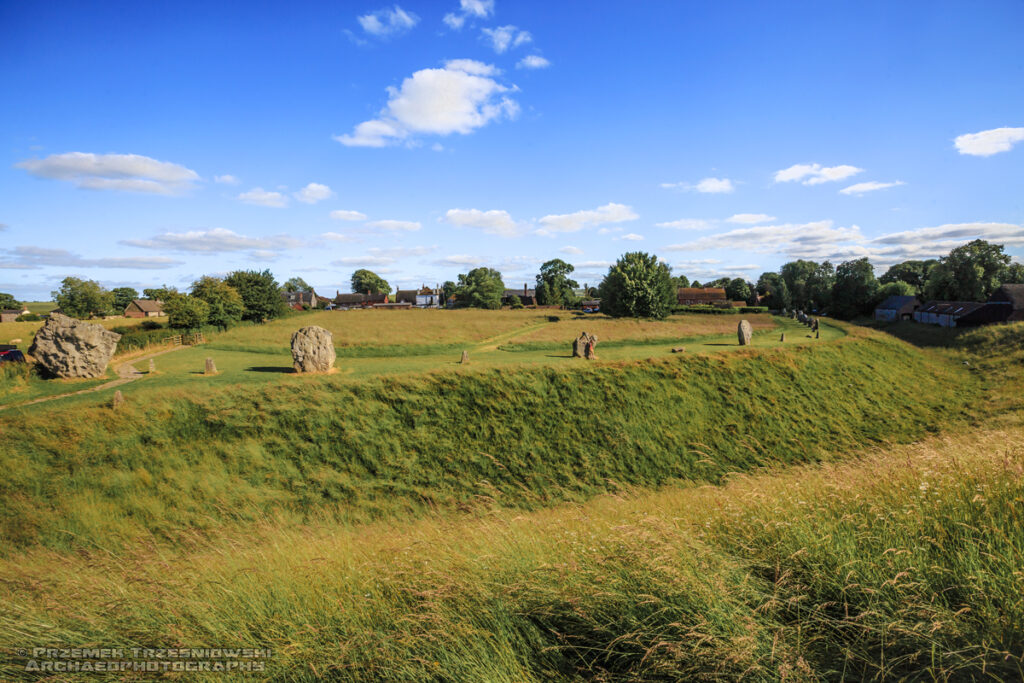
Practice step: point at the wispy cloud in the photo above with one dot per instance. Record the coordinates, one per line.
(124, 172)
(862, 188)
(533, 62)
(469, 9)
(705, 186)
(459, 98)
(687, 224)
(749, 218)
(631, 237)
(226, 179)
(573, 222)
(215, 240)
(504, 37)
(815, 174)
(575, 251)
(260, 197)
(37, 257)
(388, 21)
(988, 142)
(394, 226)
(343, 215)
(493, 222)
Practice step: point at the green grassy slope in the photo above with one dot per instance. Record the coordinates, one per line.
(335, 448)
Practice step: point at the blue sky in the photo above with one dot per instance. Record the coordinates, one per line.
(150, 143)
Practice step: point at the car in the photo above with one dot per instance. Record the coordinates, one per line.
(12, 356)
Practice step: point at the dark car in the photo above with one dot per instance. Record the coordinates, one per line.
(12, 356)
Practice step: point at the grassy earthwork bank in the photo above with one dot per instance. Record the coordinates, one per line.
(724, 513)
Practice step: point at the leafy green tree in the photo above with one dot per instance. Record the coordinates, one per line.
(970, 273)
(82, 298)
(296, 284)
(638, 285)
(897, 288)
(682, 281)
(8, 302)
(797, 274)
(1014, 274)
(187, 312)
(774, 289)
(554, 288)
(696, 284)
(854, 289)
(819, 286)
(164, 293)
(738, 289)
(448, 290)
(480, 288)
(364, 281)
(914, 273)
(122, 297)
(261, 296)
(224, 302)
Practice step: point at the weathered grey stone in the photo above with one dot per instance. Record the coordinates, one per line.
(152, 366)
(744, 331)
(465, 357)
(579, 345)
(589, 351)
(679, 349)
(313, 350)
(68, 348)
(211, 367)
(118, 400)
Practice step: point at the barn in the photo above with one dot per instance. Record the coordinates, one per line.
(144, 308)
(897, 308)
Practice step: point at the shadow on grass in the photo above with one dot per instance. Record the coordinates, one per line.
(550, 355)
(919, 334)
(719, 344)
(262, 368)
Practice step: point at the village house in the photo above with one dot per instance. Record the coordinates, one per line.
(144, 308)
(357, 300)
(897, 308)
(527, 297)
(9, 315)
(703, 296)
(424, 297)
(302, 300)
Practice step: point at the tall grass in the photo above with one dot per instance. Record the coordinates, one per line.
(904, 565)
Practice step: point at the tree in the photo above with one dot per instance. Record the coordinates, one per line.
(164, 293)
(8, 302)
(682, 281)
(122, 297)
(82, 298)
(971, 272)
(914, 273)
(186, 312)
(819, 286)
(897, 288)
(797, 274)
(738, 289)
(480, 288)
(223, 301)
(261, 297)
(1014, 274)
(774, 289)
(554, 288)
(854, 289)
(638, 285)
(366, 281)
(296, 284)
(695, 284)
(448, 290)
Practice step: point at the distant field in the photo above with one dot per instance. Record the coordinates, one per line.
(397, 328)
(40, 306)
(674, 327)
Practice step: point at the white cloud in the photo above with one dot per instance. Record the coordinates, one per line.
(504, 37)
(861, 188)
(480, 9)
(575, 251)
(572, 222)
(989, 142)
(493, 222)
(608, 231)
(1007, 234)
(125, 172)
(686, 224)
(363, 261)
(37, 257)
(815, 174)
(386, 22)
(749, 218)
(401, 252)
(261, 197)
(459, 260)
(631, 237)
(226, 179)
(458, 98)
(705, 186)
(773, 238)
(337, 237)
(213, 241)
(343, 215)
(533, 62)
(392, 225)
(313, 193)
(594, 264)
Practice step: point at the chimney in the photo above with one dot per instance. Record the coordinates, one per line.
(524, 289)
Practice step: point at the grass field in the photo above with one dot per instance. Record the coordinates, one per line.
(725, 513)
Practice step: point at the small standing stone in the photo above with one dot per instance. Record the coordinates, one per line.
(152, 366)
(744, 331)
(782, 337)
(817, 334)
(118, 400)
(588, 350)
(465, 358)
(679, 349)
(211, 369)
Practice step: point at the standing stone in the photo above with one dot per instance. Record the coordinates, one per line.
(465, 358)
(313, 350)
(152, 366)
(782, 337)
(744, 332)
(679, 349)
(817, 334)
(70, 348)
(588, 349)
(578, 344)
(118, 400)
(211, 369)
